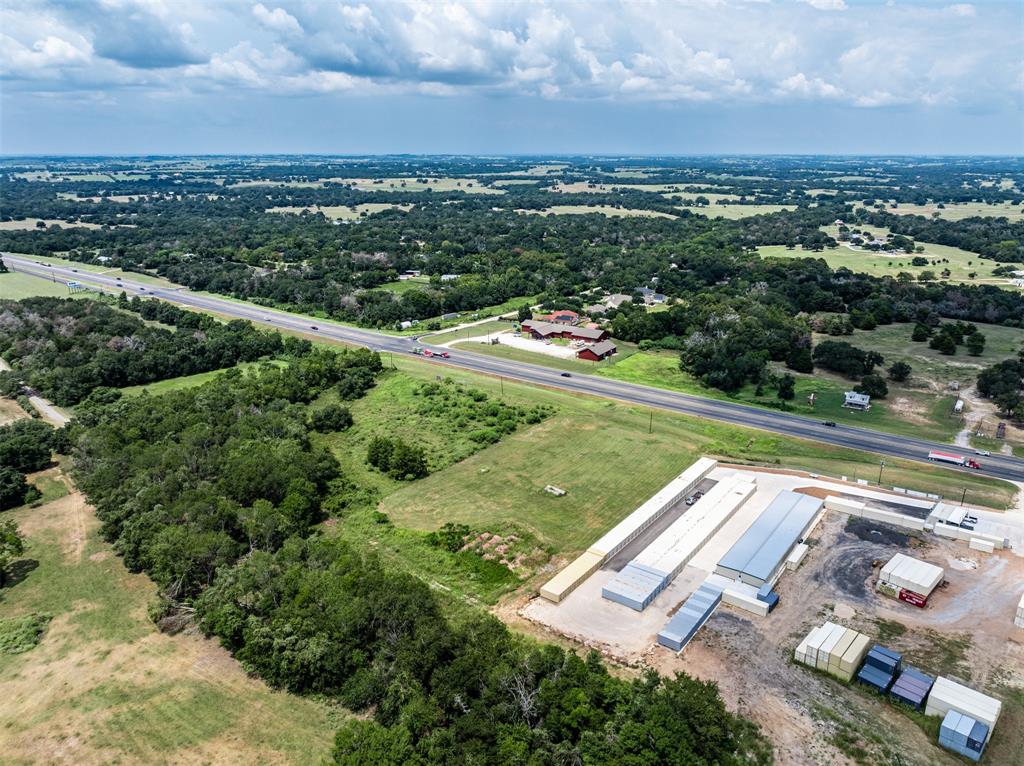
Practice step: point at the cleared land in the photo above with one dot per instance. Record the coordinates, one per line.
(343, 212)
(104, 686)
(15, 286)
(625, 350)
(606, 210)
(418, 183)
(601, 453)
(735, 212)
(10, 410)
(961, 263)
(188, 381)
(957, 212)
(27, 224)
(97, 268)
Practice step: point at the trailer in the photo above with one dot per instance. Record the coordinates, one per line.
(948, 457)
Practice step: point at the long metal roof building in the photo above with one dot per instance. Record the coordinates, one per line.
(758, 555)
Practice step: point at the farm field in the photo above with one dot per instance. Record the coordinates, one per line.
(734, 212)
(590, 445)
(606, 210)
(961, 263)
(959, 211)
(666, 190)
(104, 686)
(28, 224)
(343, 212)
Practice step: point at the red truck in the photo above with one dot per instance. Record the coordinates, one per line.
(948, 457)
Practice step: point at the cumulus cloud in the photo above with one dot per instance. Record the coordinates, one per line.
(691, 50)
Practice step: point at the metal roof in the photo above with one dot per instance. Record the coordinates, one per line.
(772, 535)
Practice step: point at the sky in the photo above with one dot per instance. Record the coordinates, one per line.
(540, 77)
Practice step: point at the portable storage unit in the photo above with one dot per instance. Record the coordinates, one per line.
(635, 586)
(828, 645)
(565, 582)
(912, 687)
(853, 657)
(985, 546)
(948, 695)
(796, 556)
(964, 735)
(767, 543)
(1018, 619)
(740, 599)
(835, 657)
(813, 639)
(909, 579)
(880, 668)
(685, 623)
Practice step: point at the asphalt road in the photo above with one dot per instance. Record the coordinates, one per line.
(885, 444)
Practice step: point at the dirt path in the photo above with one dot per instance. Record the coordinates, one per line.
(977, 410)
(50, 413)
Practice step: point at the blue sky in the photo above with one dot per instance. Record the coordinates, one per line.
(643, 77)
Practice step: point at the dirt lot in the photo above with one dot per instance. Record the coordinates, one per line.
(966, 631)
(10, 411)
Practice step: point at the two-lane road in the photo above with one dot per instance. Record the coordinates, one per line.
(730, 412)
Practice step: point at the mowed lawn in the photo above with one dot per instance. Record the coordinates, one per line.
(14, 286)
(105, 686)
(601, 453)
(907, 411)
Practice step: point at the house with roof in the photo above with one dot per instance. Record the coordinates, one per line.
(547, 330)
(564, 316)
(595, 353)
(650, 296)
(855, 401)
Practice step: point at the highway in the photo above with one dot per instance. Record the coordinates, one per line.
(890, 445)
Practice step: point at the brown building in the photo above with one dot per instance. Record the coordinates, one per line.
(597, 352)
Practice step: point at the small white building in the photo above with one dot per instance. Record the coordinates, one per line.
(905, 573)
(855, 401)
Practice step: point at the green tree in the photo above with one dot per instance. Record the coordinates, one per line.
(921, 333)
(12, 545)
(330, 419)
(786, 387)
(14, 490)
(975, 344)
(872, 385)
(900, 371)
(944, 343)
(799, 359)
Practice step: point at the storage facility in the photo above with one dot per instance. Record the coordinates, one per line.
(1018, 620)
(627, 530)
(763, 549)
(834, 649)
(654, 568)
(964, 735)
(685, 623)
(912, 687)
(948, 695)
(909, 579)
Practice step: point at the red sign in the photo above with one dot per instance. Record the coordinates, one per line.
(912, 598)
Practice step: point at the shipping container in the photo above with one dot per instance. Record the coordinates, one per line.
(563, 583)
(854, 656)
(912, 687)
(1018, 619)
(685, 623)
(796, 556)
(978, 544)
(912, 574)
(963, 735)
(947, 695)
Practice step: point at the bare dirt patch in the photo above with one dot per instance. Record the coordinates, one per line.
(10, 411)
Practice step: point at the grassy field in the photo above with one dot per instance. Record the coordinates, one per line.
(957, 212)
(606, 210)
(188, 381)
(15, 286)
(440, 184)
(404, 285)
(602, 454)
(473, 331)
(96, 268)
(103, 686)
(907, 412)
(735, 212)
(343, 212)
(28, 224)
(960, 263)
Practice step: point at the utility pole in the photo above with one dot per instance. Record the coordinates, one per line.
(501, 382)
(963, 499)
(881, 465)
(650, 425)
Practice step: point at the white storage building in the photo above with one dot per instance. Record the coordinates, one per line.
(948, 695)
(834, 649)
(911, 574)
(1018, 620)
